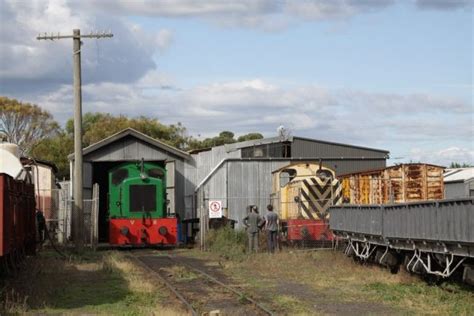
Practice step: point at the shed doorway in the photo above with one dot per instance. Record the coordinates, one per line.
(100, 176)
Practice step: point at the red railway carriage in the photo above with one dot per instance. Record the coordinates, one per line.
(17, 219)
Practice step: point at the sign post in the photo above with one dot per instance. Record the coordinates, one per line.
(215, 209)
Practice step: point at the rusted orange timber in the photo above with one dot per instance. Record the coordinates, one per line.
(396, 184)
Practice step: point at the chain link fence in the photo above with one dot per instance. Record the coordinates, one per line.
(57, 207)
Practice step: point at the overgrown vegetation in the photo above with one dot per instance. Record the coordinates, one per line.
(95, 283)
(327, 282)
(228, 243)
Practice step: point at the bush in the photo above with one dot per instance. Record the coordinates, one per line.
(227, 242)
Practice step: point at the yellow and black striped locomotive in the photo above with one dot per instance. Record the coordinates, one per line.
(301, 195)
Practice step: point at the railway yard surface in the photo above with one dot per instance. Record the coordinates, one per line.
(187, 281)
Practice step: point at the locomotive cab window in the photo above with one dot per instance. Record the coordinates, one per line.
(325, 174)
(119, 175)
(156, 173)
(142, 198)
(286, 176)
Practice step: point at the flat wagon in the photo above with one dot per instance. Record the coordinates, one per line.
(431, 237)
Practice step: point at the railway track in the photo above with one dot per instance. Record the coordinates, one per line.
(199, 291)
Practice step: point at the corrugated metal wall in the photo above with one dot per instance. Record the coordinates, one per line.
(248, 182)
(198, 168)
(128, 148)
(454, 190)
(241, 183)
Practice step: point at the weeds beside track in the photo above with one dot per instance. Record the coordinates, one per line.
(199, 290)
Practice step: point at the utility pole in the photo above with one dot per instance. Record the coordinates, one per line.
(78, 209)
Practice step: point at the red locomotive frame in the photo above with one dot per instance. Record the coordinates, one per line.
(148, 231)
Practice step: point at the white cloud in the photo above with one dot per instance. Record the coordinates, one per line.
(164, 38)
(268, 15)
(28, 65)
(444, 4)
(394, 122)
(445, 156)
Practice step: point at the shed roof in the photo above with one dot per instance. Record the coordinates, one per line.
(278, 139)
(341, 144)
(27, 160)
(458, 174)
(132, 132)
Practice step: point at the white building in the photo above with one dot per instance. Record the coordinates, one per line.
(459, 183)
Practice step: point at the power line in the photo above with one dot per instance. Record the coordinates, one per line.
(78, 214)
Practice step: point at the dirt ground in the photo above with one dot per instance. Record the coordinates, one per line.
(288, 283)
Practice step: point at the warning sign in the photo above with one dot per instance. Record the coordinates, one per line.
(215, 209)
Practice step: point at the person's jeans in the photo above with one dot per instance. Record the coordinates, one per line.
(253, 242)
(272, 240)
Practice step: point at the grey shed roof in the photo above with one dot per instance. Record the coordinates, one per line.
(256, 142)
(458, 175)
(132, 132)
(277, 139)
(341, 144)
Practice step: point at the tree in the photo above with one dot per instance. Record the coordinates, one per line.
(458, 165)
(25, 124)
(224, 137)
(249, 136)
(55, 149)
(97, 126)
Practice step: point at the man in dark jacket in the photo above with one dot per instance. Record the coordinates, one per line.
(252, 221)
(271, 226)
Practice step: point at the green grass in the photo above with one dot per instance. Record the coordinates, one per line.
(182, 274)
(291, 305)
(335, 284)
(228, 243)
(94, 283)
(448, 298)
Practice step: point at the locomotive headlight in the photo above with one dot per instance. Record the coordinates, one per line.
(124, 230)
(163, 231)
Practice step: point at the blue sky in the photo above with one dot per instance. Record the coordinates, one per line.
(389, 74)
(395, 50)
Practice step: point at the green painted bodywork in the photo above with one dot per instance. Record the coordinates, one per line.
(136, 173)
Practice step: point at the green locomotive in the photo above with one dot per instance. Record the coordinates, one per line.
(137, 206)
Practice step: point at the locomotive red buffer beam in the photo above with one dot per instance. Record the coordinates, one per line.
(150, 231)
(308, 229)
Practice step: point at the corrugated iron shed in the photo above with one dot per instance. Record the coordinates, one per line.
(459, 182)
(131, 145)
(239, 173)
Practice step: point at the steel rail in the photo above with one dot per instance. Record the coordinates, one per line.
(213, 279)
(168, 284)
